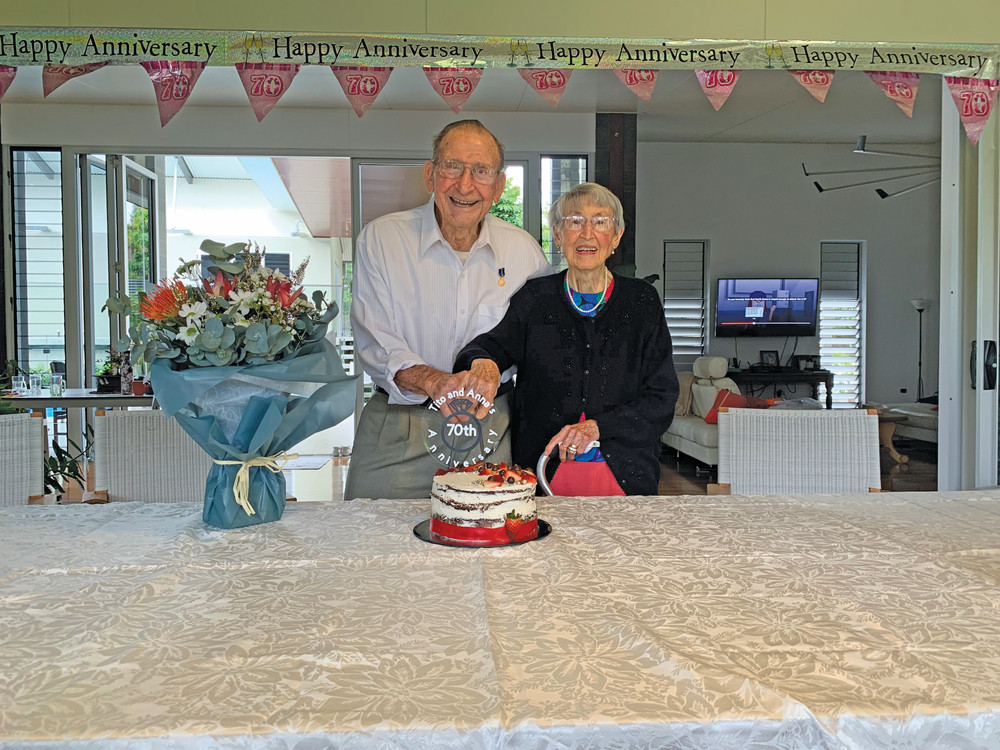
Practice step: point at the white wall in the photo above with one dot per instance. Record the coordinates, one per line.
(226, 130)
(763, 217)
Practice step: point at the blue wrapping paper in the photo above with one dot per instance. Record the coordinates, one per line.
(295, 398)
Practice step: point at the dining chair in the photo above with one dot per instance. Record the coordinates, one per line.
(143, 456)
(22, 445)
(772, 451)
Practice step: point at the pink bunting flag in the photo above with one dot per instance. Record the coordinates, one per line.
(454, 85)
(362, 85)
(717, 85)
(975, 99)
(54, 76)
(265, 83)
(549, 83)
(7, 74)
(639, 82)
(816, 82)
(900, 87)
(173, 82)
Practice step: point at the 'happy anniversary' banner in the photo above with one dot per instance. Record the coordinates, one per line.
(48, 46)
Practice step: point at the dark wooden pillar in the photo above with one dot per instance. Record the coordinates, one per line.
(615, 169)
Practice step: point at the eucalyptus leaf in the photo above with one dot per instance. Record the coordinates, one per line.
(232, 267)
(120, 305)
(221, 358)
(255, 339)
(329, 313)
(214, 249)
(211, 335)
(228, 338)
(281, 340)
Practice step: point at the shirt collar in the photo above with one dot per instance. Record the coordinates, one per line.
(430, 232)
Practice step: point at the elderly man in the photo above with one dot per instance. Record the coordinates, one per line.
(426, 282)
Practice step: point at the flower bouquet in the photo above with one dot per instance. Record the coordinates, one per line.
(242, 363)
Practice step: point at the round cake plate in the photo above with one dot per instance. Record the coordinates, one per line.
(422, 531)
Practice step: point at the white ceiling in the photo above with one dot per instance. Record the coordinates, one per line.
(766, 105)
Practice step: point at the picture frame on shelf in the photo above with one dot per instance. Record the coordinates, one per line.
(769, 359)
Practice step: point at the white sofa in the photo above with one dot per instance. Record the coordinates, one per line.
(689, 433)
(921, 420)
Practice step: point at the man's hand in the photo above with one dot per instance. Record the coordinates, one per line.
(574, 438)
(483, 379)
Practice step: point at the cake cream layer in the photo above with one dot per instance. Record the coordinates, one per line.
(460, 498)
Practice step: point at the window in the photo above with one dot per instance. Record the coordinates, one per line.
(559, 174)
(684, 297)
(510, 207)
(840, 320)
(39, 320)
(278, 262)
(139, 227)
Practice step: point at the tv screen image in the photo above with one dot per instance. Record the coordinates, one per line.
(766, 307)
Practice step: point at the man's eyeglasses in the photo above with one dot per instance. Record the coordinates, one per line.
(454, 169)
(599, 223)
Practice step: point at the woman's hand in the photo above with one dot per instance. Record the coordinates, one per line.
(573, 439)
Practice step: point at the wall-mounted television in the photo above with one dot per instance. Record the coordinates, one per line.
(766, 307)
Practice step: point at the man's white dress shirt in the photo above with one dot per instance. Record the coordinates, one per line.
(415, 303)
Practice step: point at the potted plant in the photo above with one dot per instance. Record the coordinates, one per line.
(71, 463)
(108, 373)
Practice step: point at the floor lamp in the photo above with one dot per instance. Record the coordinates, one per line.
(920, 304)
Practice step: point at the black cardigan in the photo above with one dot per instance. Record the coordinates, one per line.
(616, 367)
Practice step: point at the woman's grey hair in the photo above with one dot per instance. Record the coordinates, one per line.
(586, 192)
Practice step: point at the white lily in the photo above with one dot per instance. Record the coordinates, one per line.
(243, 300)
(193, 310)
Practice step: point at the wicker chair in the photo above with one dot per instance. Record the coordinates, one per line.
(771, 451)
(22, 444)
(144, 456)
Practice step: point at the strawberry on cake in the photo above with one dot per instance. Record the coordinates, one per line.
(485, 503)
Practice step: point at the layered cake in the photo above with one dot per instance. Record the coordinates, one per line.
(487, 504)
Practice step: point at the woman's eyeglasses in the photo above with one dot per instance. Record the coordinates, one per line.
(453, 169)
(599, 223)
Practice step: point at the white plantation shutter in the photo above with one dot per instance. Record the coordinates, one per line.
(684, 298)
(840, 315)
(279, 262)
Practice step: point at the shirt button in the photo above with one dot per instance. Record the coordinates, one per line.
(586, 372)
(461, 312)
(588, 346)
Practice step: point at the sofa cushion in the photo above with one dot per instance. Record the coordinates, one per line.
(697, 430)
(924, 416)
(684, 381)
(702, 398)
(710, 367)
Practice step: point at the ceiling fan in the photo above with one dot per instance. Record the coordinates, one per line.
(931, 166)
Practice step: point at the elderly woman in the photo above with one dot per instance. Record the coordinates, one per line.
(593, 355)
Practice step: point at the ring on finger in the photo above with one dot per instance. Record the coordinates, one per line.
(571, 449)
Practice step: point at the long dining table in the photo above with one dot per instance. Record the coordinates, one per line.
(826, 621)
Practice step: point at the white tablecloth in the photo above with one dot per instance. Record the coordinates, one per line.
(685, 622)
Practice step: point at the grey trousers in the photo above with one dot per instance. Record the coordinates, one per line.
(390, 457)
